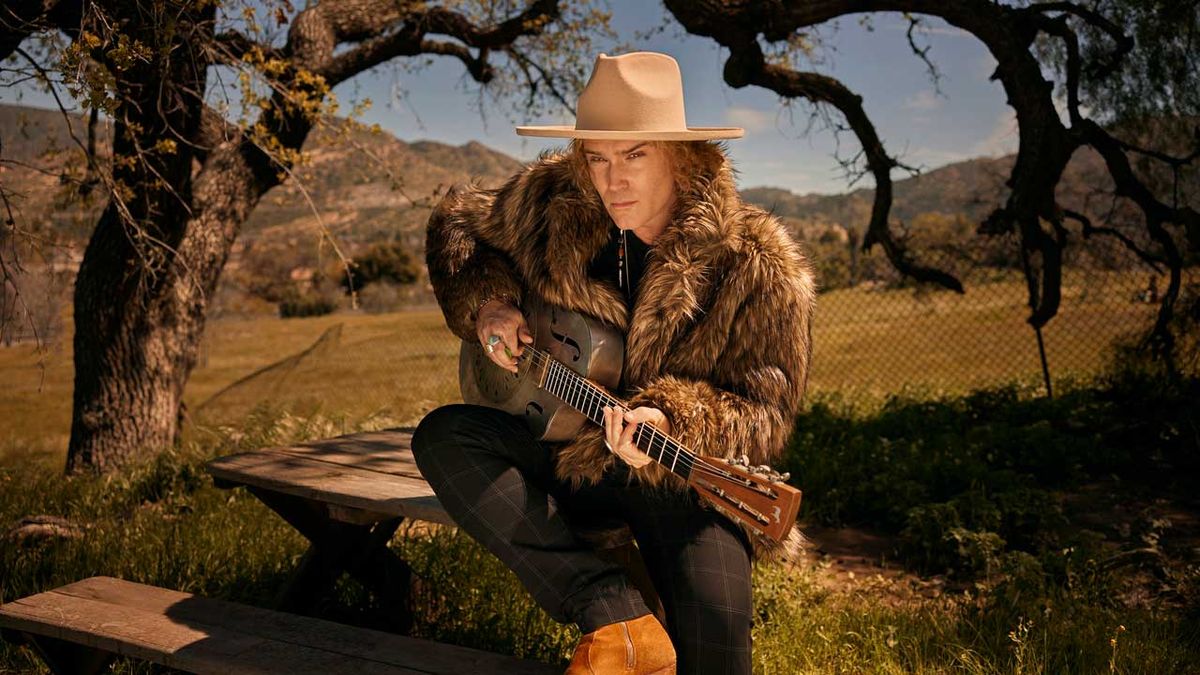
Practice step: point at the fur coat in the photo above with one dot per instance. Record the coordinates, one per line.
(718, 337)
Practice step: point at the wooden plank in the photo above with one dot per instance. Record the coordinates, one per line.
(296, 467)
(332, 484)
(400, 463)
(369, 442)
(183, 631)
(387, 451)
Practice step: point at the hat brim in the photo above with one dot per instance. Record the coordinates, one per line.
(689, 134)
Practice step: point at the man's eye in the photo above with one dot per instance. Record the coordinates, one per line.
(635, 155)
(594, 159)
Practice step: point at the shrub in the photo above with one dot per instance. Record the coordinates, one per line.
(306, 303)
(380, 297)
(390, 261)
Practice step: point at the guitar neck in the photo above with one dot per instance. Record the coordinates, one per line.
(590, 400)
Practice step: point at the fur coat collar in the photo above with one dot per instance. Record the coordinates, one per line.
(718, 337)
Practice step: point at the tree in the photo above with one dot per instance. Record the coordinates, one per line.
(1121, 63)
(184, 177)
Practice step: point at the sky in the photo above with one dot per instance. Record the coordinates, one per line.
(925, 128)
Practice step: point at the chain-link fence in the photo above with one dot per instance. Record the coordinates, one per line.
(875, 333)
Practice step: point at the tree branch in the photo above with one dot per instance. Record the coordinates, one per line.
(747, 66)
(232, 45)
(409, 40)
(1124, 43)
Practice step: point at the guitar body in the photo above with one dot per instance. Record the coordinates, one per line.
(590, 348)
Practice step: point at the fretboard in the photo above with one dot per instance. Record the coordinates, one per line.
(589, 399)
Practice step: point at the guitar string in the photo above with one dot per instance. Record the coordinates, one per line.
(557, 373)
(559, 376)
(594, 397)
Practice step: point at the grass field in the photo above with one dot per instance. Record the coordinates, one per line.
(166, 524)
(972, 489)
(395, 367)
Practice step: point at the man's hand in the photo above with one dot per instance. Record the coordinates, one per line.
(619, 429)
(500, 318)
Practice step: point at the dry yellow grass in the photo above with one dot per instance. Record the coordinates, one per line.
(398, 366)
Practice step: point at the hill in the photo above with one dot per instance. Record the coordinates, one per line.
(364, 184)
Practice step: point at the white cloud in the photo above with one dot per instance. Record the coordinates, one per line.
(924, 100)
(751, 119)
(1002, 139)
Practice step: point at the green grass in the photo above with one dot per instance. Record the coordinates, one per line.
(164, 523)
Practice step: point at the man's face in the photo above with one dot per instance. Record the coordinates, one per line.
(635, 181)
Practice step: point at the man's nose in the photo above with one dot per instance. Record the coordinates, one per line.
(618, 176)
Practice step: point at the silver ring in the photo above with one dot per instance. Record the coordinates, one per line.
(490, 348)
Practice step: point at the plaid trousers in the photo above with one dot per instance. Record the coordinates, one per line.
(497, 482)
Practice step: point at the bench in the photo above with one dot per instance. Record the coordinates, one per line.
(81, 627)
(348, 495)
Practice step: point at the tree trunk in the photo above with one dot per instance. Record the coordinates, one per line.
(143, 329)
(154, 260)
(141, 293)
(132, 357)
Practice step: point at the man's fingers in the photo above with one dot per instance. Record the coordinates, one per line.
(612, 427)
(626, 441)
(654, 416)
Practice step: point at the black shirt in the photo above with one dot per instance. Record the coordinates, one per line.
(604, 265)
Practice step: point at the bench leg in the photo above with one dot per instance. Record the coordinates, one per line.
(68, 658)
(338, 547)
(375, 566)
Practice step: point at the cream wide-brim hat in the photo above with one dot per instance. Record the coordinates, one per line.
(637, 97)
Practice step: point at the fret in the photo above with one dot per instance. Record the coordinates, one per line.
(590, 400)
(741, 495)
(573, 390)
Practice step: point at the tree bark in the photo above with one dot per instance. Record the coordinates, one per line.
(141, 290)
(156, 255)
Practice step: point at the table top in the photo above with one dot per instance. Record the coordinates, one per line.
(371, 473)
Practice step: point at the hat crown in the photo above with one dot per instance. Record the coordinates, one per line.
(642, 91)
(637, 96)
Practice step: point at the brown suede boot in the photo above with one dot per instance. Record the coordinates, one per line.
(639, 646)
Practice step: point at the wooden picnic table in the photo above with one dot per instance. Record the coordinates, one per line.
(347, 496)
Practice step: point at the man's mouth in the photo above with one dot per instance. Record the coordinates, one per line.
(623, 205)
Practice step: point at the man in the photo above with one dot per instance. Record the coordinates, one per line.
(637, 224)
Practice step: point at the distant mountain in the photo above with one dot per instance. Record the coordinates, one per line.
(971, 188)
(369, 187)
(364, 185)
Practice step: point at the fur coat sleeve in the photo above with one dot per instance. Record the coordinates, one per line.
(467, 264)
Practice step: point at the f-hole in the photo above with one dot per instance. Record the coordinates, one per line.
(566, 340)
